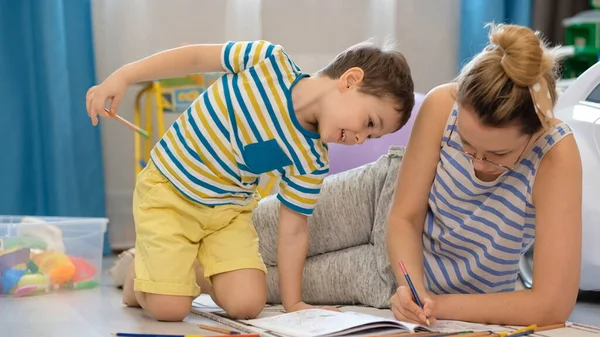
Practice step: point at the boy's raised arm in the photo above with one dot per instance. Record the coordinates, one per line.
(174, 62)
(165, 64)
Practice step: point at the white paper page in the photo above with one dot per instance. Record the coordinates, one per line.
(451, 326)
(205, 303)
(316, 322)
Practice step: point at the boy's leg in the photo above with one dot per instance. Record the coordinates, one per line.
(163, 281)
(232, 262)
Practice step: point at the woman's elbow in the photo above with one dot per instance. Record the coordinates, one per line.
(556, 309)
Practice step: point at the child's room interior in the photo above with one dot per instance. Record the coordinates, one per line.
(99, 95)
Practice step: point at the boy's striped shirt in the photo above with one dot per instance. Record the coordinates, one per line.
(242, 126)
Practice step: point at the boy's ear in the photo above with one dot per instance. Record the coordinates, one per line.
(351, 77)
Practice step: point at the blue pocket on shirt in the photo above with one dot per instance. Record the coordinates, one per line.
(265, 157)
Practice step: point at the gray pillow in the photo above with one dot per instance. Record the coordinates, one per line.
(347, 262)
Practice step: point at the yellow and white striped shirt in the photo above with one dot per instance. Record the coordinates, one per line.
(242, 126)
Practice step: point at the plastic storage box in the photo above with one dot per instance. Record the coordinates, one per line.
(46, 254)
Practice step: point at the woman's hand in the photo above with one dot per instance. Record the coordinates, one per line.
(113, 89)
(405, 307)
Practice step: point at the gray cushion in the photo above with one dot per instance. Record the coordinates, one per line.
(347, 261)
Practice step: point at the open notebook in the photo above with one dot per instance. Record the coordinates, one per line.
(326, 323)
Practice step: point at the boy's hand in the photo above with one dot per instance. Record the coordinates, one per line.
(113, 89)
(302, 306)
(406, 309)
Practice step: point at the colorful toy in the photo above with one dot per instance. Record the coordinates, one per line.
(57, 266)
(12, 258)
(26, 272)
(84, 271)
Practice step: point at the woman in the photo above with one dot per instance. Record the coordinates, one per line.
(487, 169)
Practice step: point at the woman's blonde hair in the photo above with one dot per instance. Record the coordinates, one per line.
(496, 82)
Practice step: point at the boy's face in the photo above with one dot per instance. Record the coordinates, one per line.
(351, 117)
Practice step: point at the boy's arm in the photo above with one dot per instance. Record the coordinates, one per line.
(298, 196)
(292, 247)
(232, 57)
(174, 62)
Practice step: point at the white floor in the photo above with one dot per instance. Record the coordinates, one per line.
(99, 312)
(85, 313)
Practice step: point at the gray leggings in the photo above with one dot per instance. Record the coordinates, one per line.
(347, 261)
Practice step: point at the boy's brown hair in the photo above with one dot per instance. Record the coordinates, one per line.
(386, 74)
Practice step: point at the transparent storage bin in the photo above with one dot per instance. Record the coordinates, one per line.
(46, 254)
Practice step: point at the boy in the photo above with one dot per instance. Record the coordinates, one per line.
(193, 202)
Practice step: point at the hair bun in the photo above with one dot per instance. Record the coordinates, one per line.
(524, 57)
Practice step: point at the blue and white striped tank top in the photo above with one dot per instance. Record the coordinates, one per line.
(475, 231)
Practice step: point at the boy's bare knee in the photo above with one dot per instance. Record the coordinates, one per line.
(241, 293)
(168, 308)
(248, 309)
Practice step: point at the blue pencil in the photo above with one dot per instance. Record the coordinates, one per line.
(412, 287)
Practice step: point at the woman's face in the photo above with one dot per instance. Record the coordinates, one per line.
(491, 147)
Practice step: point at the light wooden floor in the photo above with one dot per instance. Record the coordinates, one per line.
(85, 313)
(99, 312)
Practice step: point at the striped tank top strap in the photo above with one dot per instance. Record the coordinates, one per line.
(450, 124)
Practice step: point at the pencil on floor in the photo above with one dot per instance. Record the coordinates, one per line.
(217, 329)
(127, 334)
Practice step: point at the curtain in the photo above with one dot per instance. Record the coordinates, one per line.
(476, 13)
(51, 157)
(549, 14)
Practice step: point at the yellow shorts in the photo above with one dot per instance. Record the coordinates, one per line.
(172, 231)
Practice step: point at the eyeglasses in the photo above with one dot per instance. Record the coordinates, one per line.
(484, 160)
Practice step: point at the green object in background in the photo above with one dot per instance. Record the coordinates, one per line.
(595, 3)
(22, 242)
(582, 32)
(85, 285)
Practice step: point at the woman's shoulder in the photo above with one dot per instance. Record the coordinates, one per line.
(562, 160)
(565, 146)
(438, 104)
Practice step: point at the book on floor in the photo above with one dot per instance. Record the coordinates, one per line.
(327, 323)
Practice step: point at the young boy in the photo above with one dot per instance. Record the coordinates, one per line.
(193, 202)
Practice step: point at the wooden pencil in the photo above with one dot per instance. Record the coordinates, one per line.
(550, 327)
(218, 329)
(128, 123)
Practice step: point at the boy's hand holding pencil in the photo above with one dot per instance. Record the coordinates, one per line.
(112, 90)
(410, 306)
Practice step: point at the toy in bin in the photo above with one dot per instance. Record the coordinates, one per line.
(28, 267)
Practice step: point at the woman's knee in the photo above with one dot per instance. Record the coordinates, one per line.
(168, 308)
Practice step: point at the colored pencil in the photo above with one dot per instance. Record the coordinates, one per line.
(522, 333)
(412, 287)
(550, 327)
(126, 334)
(465, 334)
(217, 329)
(128, 123)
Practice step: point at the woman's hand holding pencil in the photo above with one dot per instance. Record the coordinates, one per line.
(409, 306)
